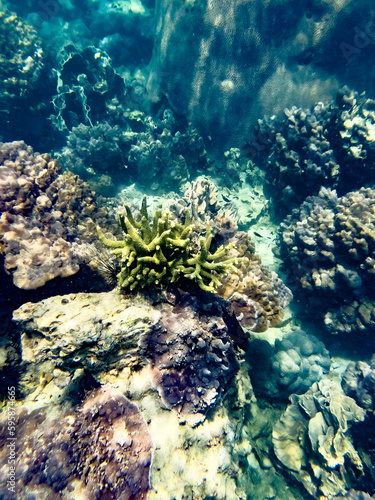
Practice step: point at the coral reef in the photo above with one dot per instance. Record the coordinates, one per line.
(159, 253)
(329, 145)
(47, 218)
(191, 356)
(355, 124)
(258, 296)
(158, 154)
(313, 440)
(358, 382)
(21, 63)
(189, 347)
(163, 157)
(102, 448)
(68, 340)
(87, 82)
(328, 245)
(291, 367)
(352, 317)
(201, 199)
(301, 158)
(262, 294)
(96, 150)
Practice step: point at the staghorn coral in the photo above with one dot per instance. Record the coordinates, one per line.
(47, 218)
(100, 449)
(160, 253)
(328, 244)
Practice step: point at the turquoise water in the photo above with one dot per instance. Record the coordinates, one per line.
(187, 239)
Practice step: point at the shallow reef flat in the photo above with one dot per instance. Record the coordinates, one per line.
(139, 351)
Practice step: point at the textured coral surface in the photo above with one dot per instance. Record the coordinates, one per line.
(47, 217)
(101, 449)
(328, 245)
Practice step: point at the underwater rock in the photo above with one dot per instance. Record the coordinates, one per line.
(295, 363)
(247, 59)
(313, 440)
(93, 332)
(189, 347)
(100, 449)
(328, 245)
(47, 217)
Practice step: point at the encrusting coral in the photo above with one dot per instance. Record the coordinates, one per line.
(100, 449)
(161, 253)
(47, 218)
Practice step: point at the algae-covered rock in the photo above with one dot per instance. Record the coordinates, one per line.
(92, 332)
(188, 347)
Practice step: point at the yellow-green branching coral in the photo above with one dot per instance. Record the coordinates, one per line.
(160, 253)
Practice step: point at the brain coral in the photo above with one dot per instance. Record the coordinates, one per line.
(328, 245)
(46, 217)
(100, 450)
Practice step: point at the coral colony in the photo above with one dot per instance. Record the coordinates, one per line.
(160, 253)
